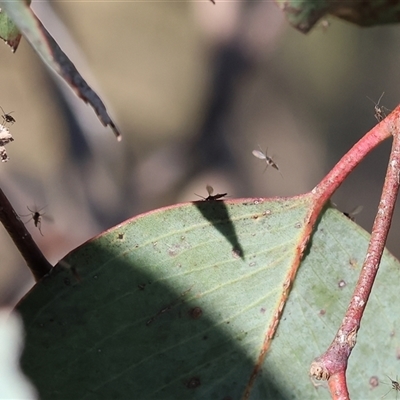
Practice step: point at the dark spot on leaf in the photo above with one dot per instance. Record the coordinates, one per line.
(173, 252)
(262, 310)
(341, 284)
(322, 312)
(255, 216)
(120, 236)
(195, 312)
(374, 382)
(297, 225)
(193, 383)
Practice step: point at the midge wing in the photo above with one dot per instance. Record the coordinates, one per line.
(259, 154)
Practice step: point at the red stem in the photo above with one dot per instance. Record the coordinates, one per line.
(332, 364)
(324, 190)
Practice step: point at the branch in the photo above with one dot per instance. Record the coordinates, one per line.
(332, 364)
(34, 258)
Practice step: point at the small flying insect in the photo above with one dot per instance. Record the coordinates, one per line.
(264, 156)
(395, 386)
(212, 197)
(36, 216)
(7, 118)
(351, 215)
(380, 113)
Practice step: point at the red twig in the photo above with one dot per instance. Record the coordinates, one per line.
(331, 182)
(324, 190)
(332, 364)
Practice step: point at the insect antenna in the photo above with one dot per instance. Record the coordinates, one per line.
(380, 113)
(395, 385)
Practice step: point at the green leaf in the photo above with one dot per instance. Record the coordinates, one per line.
(9, 32)
(177, 303)
(47, 48)
(304, 14)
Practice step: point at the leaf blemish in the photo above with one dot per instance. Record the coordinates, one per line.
(341, 284)
(193, 383)
(195, 312)
(353, 263)
(374, 382)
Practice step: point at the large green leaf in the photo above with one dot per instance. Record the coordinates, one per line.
(176, 303)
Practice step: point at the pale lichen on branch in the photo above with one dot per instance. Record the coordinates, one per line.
(5, 138)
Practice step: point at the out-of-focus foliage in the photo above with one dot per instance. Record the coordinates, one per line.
(304, 14)
(50, 52)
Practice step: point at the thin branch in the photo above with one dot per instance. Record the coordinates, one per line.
(34, 258)
(331, 182)
(332, 364)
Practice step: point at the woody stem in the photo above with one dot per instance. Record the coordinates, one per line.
(34, 258)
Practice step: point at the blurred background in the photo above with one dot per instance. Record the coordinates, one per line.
(194, 88)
